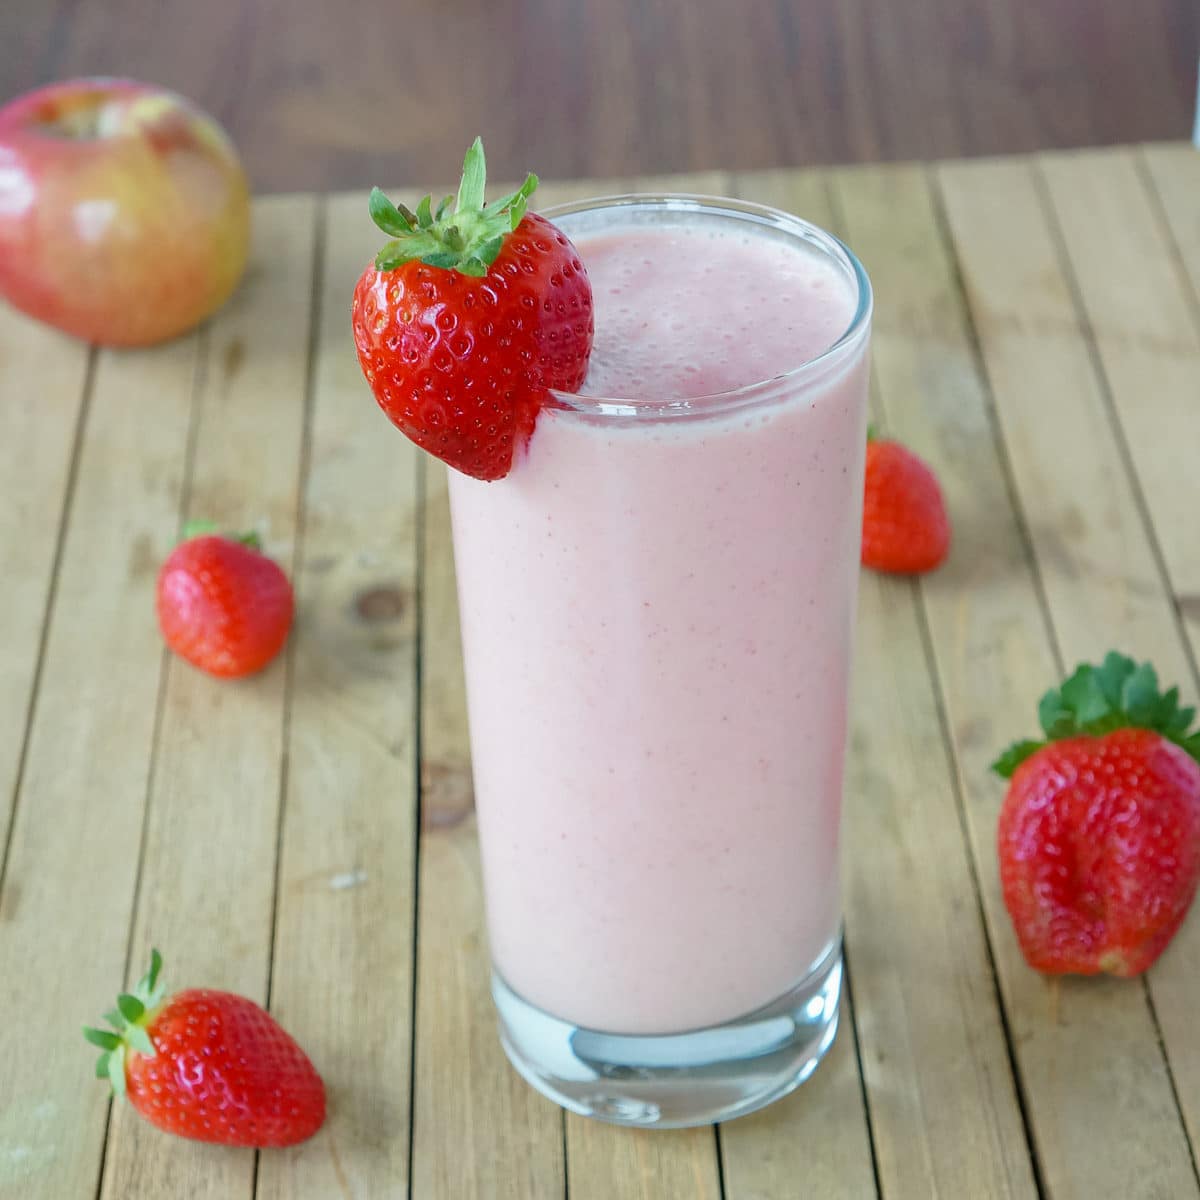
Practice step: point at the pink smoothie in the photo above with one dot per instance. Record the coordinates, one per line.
(656, 615)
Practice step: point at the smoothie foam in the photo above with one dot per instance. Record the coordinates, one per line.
(656, 619)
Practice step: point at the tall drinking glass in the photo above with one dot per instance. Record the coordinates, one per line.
(657, 610)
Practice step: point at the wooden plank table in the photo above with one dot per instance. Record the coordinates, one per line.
(306, 837)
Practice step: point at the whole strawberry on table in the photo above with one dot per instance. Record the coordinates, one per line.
(222, 603)
(905, 527)
(1099, 833)
(210, 1066)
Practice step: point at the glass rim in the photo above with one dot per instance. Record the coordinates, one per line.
(715, 403)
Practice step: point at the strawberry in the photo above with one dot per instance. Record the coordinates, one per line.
(905, 527)
(210, 1066)
(1099, 834)
(468, 317)
(222, 604)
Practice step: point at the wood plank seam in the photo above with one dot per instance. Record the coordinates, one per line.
(852, 1009)
(562, 1125)
(48, 612)
(419, 758)
(301, 510)
(1158, 207)
(716, 1133)
(1105, 387)
(940, 703)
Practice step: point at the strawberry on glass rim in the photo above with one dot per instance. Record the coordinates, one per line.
(468, 318)
(1099, 832)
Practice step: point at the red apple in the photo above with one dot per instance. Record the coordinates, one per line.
(124, 211)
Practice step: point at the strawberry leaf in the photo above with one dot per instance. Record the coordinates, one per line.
(140, 1041)
(116, 1070)
(195, 529)
(1179, 723)
(463, 235)
(1111, 676)
(1139, 696)
(489, 250)
(132, 1009)
(1094, 700)
(101, 1038)
(1053, 715)
(1083, 697)
(1168, 704)
(1014, 756)
(387, 216)
(153, 974)
(474, 179)
(133, 1012)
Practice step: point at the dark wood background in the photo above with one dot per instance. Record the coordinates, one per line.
(342, 93)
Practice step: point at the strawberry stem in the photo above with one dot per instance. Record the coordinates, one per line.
(466, 239)
(129, 1020)
(195, 529)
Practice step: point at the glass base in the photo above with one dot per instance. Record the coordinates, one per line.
(670, 1081)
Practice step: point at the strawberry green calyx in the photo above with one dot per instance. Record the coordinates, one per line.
(1117, 694)
(464, 234)
(129, 1020)
(195, 529)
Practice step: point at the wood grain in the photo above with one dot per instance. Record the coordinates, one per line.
(1174, 173)
(818, 1134)
(343, 963)
(1143, 324)
(479, 1131)
(38, 433)
(1144, 331)
(320, 96)
(606, 1161)
(68, 891)
(206, 894)
(943, 1107)
(993, 660)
